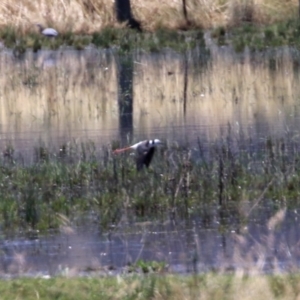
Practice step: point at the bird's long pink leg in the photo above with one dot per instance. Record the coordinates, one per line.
(121, 150)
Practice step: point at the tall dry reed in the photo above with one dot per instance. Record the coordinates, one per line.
(88, 16)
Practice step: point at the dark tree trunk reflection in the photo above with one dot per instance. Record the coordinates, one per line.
(185, 83)
(125, 97)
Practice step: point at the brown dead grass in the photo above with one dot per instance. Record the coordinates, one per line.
(92, 15)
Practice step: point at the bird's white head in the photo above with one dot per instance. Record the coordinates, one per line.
(156, 142)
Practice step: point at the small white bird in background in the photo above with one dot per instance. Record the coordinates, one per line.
(48, 32)
(144, 152)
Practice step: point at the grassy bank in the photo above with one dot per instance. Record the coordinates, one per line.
(76, 181)
(208, 286)
(79, 24)
(123, 39)
(258, 38)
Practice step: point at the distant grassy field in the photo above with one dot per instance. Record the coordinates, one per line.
(85, 17)
(156, 287)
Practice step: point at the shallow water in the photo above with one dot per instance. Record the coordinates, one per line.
(253, 247)
(53, 98)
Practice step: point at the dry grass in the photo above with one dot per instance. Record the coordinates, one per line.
(259, 11)
(86, 16)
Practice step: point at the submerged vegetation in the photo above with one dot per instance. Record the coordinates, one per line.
(128, 40)
(124, 39)
(207, 286)
(84, 186)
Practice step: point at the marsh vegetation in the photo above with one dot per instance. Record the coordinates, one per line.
(229, 122)
(60, 123)
(207, 286)
(230, 155)
(182, 182)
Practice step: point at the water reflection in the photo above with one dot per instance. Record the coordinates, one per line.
(57, 97)
(267, 243)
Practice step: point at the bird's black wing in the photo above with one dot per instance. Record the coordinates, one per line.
(144, 158)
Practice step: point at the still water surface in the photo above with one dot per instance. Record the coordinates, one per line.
(56, 97)
(254, 248)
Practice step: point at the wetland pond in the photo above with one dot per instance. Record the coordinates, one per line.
(198, 100)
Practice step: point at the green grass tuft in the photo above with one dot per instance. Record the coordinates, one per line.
(77, 180)
(206, 286)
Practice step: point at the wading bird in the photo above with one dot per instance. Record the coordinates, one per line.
(48, 32)
(144, 152)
